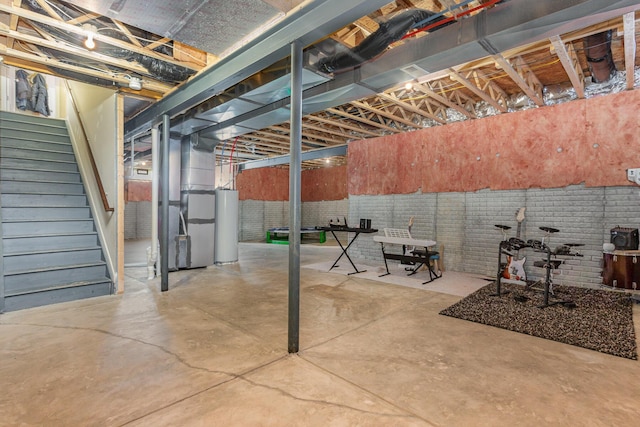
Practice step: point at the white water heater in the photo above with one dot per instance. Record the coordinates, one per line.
(226, 235)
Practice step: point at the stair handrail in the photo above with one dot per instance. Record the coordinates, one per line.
(103, 194)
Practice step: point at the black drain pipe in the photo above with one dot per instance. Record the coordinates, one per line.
(599, 58)
(388, 32)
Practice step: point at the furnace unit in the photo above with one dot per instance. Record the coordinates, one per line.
(191, 205)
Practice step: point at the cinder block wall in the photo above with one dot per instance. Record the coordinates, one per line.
(137, 209)
(465, 224)
(257, 216)
(252, 219)
(130, 220)
(319, 213)
(137, 220)
(566, 164)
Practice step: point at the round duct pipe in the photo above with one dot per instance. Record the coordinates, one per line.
(599, 56)
(388, 32)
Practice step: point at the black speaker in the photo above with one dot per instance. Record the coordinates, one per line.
(624, 239)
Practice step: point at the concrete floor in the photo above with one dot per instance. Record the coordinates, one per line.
(213, 352)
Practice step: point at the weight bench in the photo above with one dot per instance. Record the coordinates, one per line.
(419, 254)
(281, 234)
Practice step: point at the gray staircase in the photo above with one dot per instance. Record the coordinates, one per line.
(50, 248)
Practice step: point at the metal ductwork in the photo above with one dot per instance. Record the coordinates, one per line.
(599, 57)
(504, 27)
(327, 16)
(389, 31)
(191, 214)
(508, 25)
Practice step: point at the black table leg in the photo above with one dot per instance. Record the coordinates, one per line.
(432, 274)
(344, 252)
(384, 256)
(349, 258)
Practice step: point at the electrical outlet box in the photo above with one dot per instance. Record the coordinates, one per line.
(633, 175)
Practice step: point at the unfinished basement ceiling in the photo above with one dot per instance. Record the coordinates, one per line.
(213, 26)
(191, 38)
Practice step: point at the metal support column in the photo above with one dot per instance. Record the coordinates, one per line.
(164, 230)
(295, 167)
(152, 252)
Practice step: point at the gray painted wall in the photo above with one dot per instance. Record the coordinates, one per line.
(465, 224)
(137, 220)
(256, 217)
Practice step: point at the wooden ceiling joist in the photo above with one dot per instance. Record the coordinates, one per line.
(412, 108)
(47, 8)
(83, 18)
(158, 43)
(36, 17)
(311, 136)
(451, 101)
(77, 51)
(522, 75)
(281, 135)
(322, 131)
(349, 126)
(124, 30)
(363, 120)
(484, 88)
(569, 60)
(264, 148)
(153, 86)
(13, 23)
(381, 112)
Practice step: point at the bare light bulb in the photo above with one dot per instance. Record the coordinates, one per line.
(89, 43)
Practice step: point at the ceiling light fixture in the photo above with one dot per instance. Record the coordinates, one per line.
(91, 31)
(135, 83)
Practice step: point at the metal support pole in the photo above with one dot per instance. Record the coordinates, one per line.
(499, 275)
(152, 252)
(133, 156)
(295, 167)
(164, 229)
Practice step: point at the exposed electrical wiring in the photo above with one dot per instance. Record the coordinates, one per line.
(61, 11)
(233, 147)
(222, 157)
(28, 48)
(437, 17)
